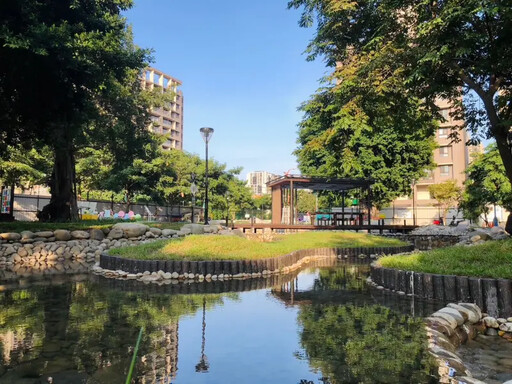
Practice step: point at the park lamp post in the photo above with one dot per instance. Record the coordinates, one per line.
(206, 133)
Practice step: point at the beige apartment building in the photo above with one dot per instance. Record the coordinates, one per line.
(257, 182)
(166, 120)
(451, 159)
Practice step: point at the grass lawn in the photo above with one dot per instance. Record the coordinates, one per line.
(200, 247)
(492, 259)
(34, 226)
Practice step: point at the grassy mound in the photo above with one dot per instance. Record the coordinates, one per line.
(201, 247)
(491, 259)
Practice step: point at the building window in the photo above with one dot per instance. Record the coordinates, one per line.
(445, 170)
(443, 132)
(446, 114)
(444, 151)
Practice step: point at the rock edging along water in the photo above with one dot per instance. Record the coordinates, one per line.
(451, 327)
(153, 270)
(44, 249)
(493, 295)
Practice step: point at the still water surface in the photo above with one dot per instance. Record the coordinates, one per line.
(322, 325)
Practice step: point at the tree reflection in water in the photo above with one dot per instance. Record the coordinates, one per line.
(88, 331)
(362, 344)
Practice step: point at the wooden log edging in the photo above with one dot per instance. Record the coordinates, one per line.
(115, 266)
(494, 296)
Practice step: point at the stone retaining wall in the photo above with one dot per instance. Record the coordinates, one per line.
(44, 249)
(153, 270)
(453, 326)
(493, 295)
(426, 242)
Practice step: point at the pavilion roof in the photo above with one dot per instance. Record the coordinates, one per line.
(319, 183)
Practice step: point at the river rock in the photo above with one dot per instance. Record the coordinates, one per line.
(211, 228)
(115, 233)
(195, 229)
(62, 235)
(150, 235)
(490, 322)
(445, 316)
(27, 235)
(80, 235)
(22, 252)
(184, 232)
(168, 232)
(467, 313)
(454, 313)
(44, 234)
(96, 234)
(10, 236)
(474, 308)
(507, 327)
(131, 229)
(155, 231)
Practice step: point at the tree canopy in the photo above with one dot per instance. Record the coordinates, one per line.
(487, 184)
(427, 50)
(69, 77)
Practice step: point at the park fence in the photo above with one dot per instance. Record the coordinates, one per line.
(27, 206)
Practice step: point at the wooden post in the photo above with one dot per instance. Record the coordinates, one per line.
(292, 203)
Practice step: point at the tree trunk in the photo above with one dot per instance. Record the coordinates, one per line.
(63, 205)
(508, 226)
(505, 153)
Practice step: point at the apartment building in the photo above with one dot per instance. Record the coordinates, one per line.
(451, 159)
(257, 181)
(168, 119)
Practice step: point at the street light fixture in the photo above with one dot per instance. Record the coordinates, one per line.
(206, 133)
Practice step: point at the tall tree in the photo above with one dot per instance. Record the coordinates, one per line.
(440, 49)
(447, 195)
(487, 184)
(66, 70)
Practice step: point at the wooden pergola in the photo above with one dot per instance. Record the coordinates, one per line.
(284, 192)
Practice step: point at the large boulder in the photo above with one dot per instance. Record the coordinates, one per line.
(10, 236)
(132, 229)
(27, 235)
(62, 235)
(115, 233)
(195, 229)
(168, 232)
(156, 231)
(79, 235)
(96, 234)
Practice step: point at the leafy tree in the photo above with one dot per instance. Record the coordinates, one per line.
(306, 201)
(352, 131)
(262, 202)
(68, 74)
(447, 49)
(447, 195)
(487, 184)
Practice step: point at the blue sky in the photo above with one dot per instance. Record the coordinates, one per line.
(243, 72)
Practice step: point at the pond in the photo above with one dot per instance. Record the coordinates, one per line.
(321, 325)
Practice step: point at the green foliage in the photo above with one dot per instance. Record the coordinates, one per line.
(447, 194)
(200, 247)
(306, 202)
(24, 167)
(368, 344)
(424, 51)
(491, 259)
(371, 128)
(487, 184)
(69, 75)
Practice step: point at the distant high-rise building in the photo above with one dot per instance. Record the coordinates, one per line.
(168, 119)
(257, 181)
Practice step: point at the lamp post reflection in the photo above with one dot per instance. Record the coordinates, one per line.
(203, 364)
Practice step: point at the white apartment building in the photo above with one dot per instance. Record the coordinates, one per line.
(258, 180)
